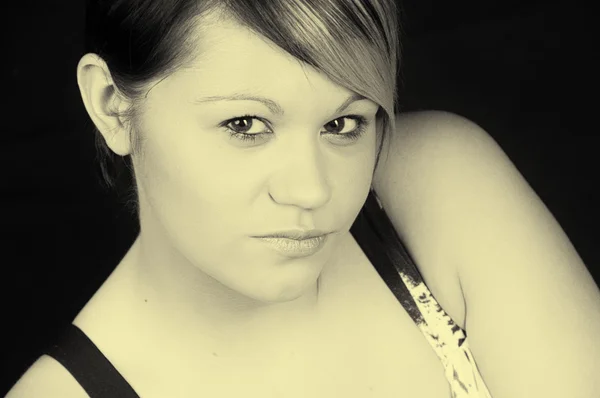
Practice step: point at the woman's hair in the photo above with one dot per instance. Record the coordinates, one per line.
(355, 43)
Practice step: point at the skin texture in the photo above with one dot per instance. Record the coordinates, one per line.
(204, 194)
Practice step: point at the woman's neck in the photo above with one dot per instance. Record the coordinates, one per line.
(188, 303)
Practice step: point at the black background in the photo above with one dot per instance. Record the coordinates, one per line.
(520, 69)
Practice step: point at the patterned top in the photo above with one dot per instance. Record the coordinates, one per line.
(379, 240)
(449, 343)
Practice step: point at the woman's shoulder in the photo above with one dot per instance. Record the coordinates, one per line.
(413, 177)
(406, 182)
(428, 150)
(46, 377)
(429, 130)
(421, 144)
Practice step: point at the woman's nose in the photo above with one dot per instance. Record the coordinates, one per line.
(302, 180)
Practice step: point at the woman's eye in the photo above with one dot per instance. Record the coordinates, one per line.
(339, 126)
(351, 131)
(245, 124)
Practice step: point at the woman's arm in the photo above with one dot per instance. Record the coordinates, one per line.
(532, 308)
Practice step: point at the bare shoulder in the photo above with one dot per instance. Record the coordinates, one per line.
(411, 178)
(47, 378)
(424, 151)
(421, 143)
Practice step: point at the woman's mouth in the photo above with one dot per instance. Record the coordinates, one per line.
(296, 248)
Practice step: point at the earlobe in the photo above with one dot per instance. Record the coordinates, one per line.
(103, 103)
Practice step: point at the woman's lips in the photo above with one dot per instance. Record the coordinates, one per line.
(296, 248)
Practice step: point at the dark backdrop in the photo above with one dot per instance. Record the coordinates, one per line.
(520, 69)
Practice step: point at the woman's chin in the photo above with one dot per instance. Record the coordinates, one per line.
(284, 292)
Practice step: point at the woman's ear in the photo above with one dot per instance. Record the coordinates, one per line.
(102, 102)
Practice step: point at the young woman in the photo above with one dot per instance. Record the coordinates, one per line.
(279, 254)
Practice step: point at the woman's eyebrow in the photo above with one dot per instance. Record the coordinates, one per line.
(269, 103)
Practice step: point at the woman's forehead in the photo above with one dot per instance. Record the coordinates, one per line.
(232, 58)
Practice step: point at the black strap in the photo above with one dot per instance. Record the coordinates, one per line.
(379, 240)
(94, 372)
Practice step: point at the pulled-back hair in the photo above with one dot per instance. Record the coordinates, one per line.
(355, 43)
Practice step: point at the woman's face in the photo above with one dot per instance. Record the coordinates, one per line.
(206, 194)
